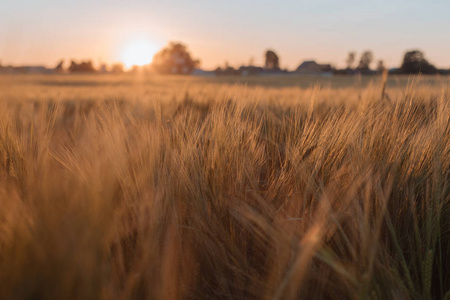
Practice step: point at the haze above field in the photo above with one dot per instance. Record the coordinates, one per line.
(44, 32)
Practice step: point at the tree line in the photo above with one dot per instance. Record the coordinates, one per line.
(175, 58)
(414, 62)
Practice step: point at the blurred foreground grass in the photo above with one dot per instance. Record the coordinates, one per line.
(191, 188)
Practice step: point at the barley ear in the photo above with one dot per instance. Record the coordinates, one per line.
(384, 83)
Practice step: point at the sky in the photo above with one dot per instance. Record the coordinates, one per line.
(43, 32)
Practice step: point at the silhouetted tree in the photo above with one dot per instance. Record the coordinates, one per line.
(380, 66)
(117, 68)
(272, 60)
(414, 62)
(84, 67)
(174, 59)
(365, 61)
(60, 67)
(103, 68)
(350, 59)
(135, 69)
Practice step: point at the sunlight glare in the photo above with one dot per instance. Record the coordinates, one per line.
(138, 52)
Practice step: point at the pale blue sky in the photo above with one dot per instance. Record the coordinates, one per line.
(42, 32)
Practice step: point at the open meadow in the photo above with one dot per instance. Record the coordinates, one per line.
(289, 187)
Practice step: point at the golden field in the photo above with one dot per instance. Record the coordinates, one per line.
(148, 187)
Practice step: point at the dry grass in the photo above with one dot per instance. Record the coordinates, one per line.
(205, 190)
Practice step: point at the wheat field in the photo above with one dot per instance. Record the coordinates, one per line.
(129, 187)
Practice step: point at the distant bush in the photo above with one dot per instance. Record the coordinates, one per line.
(83, 67)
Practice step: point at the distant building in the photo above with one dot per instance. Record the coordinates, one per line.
(250, 70)
(200, 72)
(36, 69)
(310, 67)
(228, 71)
(25, 70)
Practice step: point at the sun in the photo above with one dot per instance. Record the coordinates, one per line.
(138, 52)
